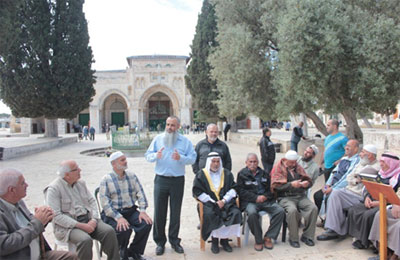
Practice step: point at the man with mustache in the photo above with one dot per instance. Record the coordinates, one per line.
(290, 183)
(336, 223)
(211, 144)
(171, 152)
(119, 192)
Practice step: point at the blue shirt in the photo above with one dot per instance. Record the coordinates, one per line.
(338, 178)
(334, 148)
(166, 166)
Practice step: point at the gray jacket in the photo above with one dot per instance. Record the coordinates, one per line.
(14, 240)
(61, 200)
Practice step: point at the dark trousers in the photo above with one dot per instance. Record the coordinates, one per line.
(293, 145)
(142, 231)
(318, 198)
(276, 214)
(167, 189)
(327, 172)
(226, 136)
(92, 137)
(267, 167)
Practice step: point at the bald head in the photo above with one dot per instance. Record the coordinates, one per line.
(212, 133)
(351, 147)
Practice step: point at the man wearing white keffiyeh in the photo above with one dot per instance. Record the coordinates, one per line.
(214, 186)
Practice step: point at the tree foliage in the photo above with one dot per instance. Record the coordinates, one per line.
(241, 63)
(45, 60)
(198, 80)
(338, 56)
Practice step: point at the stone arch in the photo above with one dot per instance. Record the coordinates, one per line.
(143, 106)
(109, 92)
(160, 88)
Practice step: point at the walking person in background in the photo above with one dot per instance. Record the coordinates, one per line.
(267, 150)
(92, 131)
(297, 135)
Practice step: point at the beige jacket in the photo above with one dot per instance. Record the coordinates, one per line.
(59, 197)
(354, 183)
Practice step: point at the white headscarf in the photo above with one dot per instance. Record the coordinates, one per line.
(211, 156)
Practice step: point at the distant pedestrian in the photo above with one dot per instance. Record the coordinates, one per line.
(297, 135)
(92, 131)
(267, 150)
(226, 130)
(108, 131)
(85, 132)
(287, 126)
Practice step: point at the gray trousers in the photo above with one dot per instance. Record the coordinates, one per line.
(336, 218)
(60, 255)
(276, 214)
(103, 233)
(297, 207)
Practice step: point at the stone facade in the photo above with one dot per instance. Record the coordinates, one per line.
(150, 89)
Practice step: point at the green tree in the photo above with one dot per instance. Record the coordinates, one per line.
(46, 67)
(333, 57)
(242, 63)
(202, 88)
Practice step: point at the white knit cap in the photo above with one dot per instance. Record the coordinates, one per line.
(314, 148)
(291, 155)
(115, 156)
(370, 148)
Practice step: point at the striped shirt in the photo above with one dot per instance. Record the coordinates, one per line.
(118, 193)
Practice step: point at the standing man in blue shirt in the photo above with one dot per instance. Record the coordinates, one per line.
(334, 145)
(171, 152)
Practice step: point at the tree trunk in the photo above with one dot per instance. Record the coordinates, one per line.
(305, 127)
(233, 122)
(366, 121)
(353, 130)
(51, 128)
(387, 121)
(317, 122)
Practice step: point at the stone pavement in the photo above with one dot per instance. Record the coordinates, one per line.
(39, 170)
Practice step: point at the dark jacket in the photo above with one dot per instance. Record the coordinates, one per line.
(203, 148)
(247, 186)
(267, 150)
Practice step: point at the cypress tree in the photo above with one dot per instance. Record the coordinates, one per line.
(198, 79)
(45, 68)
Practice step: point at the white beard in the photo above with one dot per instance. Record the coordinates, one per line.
(170, 139)
(364, 161)
(121, 167)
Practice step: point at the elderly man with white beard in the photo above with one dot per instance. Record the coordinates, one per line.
(215, 186)
(171, 152)
(120, 191)
(336, 223)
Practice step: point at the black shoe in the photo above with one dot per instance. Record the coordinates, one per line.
(137, 256)
(178, 248)
(307, 241)
(294, 244)
(160, 250)
(358, 245)
(328, 235)
(225, 245)
(214, 245)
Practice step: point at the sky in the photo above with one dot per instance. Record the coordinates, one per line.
(122, 28)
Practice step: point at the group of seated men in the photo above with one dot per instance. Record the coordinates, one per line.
(348, 208)
(74, 213)
(343, 204)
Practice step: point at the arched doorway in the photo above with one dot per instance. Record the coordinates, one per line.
(115, 110)
(159, 107)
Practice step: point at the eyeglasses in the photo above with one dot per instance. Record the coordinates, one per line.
(75, 170)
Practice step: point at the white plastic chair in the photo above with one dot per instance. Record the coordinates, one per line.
(72, 247)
